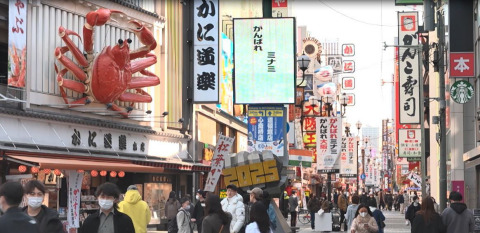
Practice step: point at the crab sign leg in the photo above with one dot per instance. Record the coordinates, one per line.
(143, 97)
(115, 107)
(73, 85)
(141, 64)
(146, 38)
(64, 33)
(72, 67)
(95, 18)
(147, 81)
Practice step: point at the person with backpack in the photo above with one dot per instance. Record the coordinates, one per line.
(183, 216)
(171, 210)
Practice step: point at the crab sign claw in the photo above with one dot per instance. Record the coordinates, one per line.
(95, 18)
(146, 38)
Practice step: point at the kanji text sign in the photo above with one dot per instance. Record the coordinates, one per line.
(409, 143)
(222, 151)
(462, 64)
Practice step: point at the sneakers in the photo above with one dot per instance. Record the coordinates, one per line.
(407, 223)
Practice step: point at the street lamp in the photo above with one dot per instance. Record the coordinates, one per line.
(359, 125)
(303, 62)
(344, 102)
(328, 100)
(347, 129)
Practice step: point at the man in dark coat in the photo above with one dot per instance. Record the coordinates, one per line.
(412, 209)
(199, 210)
(363, 198)
(14, 220)
(313, 206)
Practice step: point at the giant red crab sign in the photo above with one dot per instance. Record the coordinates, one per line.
(106, 77)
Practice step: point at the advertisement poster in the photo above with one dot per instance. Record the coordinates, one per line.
(74, 192)
(348, 158)
(329, 142)
(266, 129)
(224, 147)
(17, 42)
(226, 82)
(409, 143)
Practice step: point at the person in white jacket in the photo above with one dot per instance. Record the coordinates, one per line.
(233, 204)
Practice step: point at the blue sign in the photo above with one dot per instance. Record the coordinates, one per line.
(266, 129)
(362, 176)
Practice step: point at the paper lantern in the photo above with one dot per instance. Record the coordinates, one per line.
(80, 171)
(94, 173)
(121, 174)
(103, 173)
(113, 174)
(47, 171)
(22, 168)
(35, 170)
(57, 172)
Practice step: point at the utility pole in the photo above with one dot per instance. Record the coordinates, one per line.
(441, 111)
(267, 8)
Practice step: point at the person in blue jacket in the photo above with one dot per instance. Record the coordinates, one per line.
(379, 217)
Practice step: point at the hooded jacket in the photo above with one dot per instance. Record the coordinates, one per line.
(47, 220)
(137, 209)
(235, 207)
(458, 218)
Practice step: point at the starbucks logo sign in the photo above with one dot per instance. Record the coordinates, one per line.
(461, 91)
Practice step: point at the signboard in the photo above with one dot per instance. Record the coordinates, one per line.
(350, 99)
(226, 77)
(462, 64)
(206, 50)
(258, 169)
(17, 40)
(299, 158)
(265, 63)
(408, 2)
(224, 146)
(348, 50)
(348, 158)
(329, 136)
(459, 186)
(348, 66)
(279, 8)
(74, 192)
(335, 62)
(266, 129)
(414, 159)
(416, 179)
(410, 143)
(409, 70)
(348, 83)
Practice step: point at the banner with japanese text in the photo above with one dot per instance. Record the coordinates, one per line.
(348, 158)
(17, 42)
(409, 143)
(206, 50)
(329, 143)
(74, 192)
(266, 129)
(222, 151)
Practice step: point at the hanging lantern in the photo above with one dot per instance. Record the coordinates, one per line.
(103, 173)
(47, 171)
(80, 171)
(113, 174)
(121, 174)
(94, 173)
(22, 168)
(57, 172)
(34, 170)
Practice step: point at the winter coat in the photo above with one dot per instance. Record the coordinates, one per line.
(359, 222)
(379, 218)
(458, 218)
(342, 203)
(293, 203)
(236, 208)
(363, 199)
(47, 220)
(400, 199)
(171, 208)
(313, 205)
(434, 226)
(198, 214)
(183, 221)
(372, 202)
(212, 224)
(121, 223)
(389, 198)
(406, 199)
(137, 209)
(350, 215)
(411, 211)
(15, 221)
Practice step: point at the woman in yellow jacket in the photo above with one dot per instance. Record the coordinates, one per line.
(137, 209)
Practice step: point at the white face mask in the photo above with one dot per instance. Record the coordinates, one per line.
(105, 204)
(35, 202)
(363, 214)
(187, 207)
(197, 197)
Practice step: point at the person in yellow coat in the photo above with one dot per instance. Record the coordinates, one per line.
(137, 209)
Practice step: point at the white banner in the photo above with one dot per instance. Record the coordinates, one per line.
(409, 70)
(415, 178)
(329, 142)
(348, 158)
(74, 193)
(205, 47)
(369, 172)
(222, 151)
(17, 40)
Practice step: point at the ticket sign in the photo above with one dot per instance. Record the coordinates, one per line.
(252, 174)
(410, 143)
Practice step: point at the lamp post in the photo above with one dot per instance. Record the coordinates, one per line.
(303, 62)
(359, 125)
(328, 102)
(347, 129)
(343, 102)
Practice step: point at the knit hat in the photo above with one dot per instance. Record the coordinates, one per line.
(132, 187)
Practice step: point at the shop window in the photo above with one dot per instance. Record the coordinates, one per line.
(156, 195)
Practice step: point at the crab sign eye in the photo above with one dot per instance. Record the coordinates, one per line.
(120, 41)
(129, 40)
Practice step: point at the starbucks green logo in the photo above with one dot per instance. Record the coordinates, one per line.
(461, 91)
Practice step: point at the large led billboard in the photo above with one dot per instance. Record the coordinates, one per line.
(264, 58)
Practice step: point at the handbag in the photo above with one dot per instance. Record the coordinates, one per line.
(382, 224)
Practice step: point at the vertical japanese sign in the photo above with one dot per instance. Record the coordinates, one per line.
(74, 191)
(17, 41)
(409, 70)
(266, 129)
(348, 158)
(409, 143)
(224, 146)
(279, 8)
(206, 51)
(329, 143)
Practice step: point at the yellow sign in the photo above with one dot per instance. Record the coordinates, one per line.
(223, 193)
(252, 174)
(274, 113)
(256, 113)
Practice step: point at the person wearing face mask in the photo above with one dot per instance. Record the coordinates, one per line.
(412, 210)
(364, 222)
(183, 216)
(137, 209)
(14, 220)
(108, 219)
(199, 210)
(47, 219)
(379, 218)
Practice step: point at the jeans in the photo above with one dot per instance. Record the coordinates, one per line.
(293, 218)
(312, 218)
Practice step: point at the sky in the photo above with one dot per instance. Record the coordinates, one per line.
(367, 24)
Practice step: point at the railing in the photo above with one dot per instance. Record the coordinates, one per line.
(144, 6)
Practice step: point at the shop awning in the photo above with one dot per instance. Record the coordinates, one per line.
(179, 166)
(86, 163)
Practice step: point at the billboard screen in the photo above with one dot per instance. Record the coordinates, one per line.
(264, 52)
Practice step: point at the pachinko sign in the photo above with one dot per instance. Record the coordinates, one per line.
(17, 42)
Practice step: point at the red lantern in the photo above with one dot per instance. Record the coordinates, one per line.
(35, 170)
(121, 174)
(103, 173)
(57, 172)
(113, 174)
(47, 171)
(22, 168)
(80, 171)
(94, 173)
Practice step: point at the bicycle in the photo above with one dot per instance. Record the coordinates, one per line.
(304, 216)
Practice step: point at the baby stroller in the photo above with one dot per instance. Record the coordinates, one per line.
(336, 226)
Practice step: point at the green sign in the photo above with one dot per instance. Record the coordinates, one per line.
(414, 159)
(408, 2)
(462, 91)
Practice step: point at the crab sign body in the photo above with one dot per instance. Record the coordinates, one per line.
(107, 76)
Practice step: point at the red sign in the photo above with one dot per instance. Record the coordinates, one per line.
(408, 23)
(348, 83)
(350, 99)
(348, 66)
(458, 186)
(348, 50)
(279, 3)
(462, 64)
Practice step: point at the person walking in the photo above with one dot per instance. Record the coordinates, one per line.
(137, 209)
(14, 220)
(46, 218)
(216, 220)
(412, 210)
(335, 197)
(457, 217)
(364, 222)
(342, 205)
(371, 200)
(351, 210)
(363, 198)
(259, 221)
(233, 204)
(389, 200)
(379, 217)
(171, 210)
(381, 203)
(313, 207)
(108, 219)
(427, 220)
(183, 216)
(293, 204)
(401, 202)
(199, 210)
(378, 196)
(406, 203)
